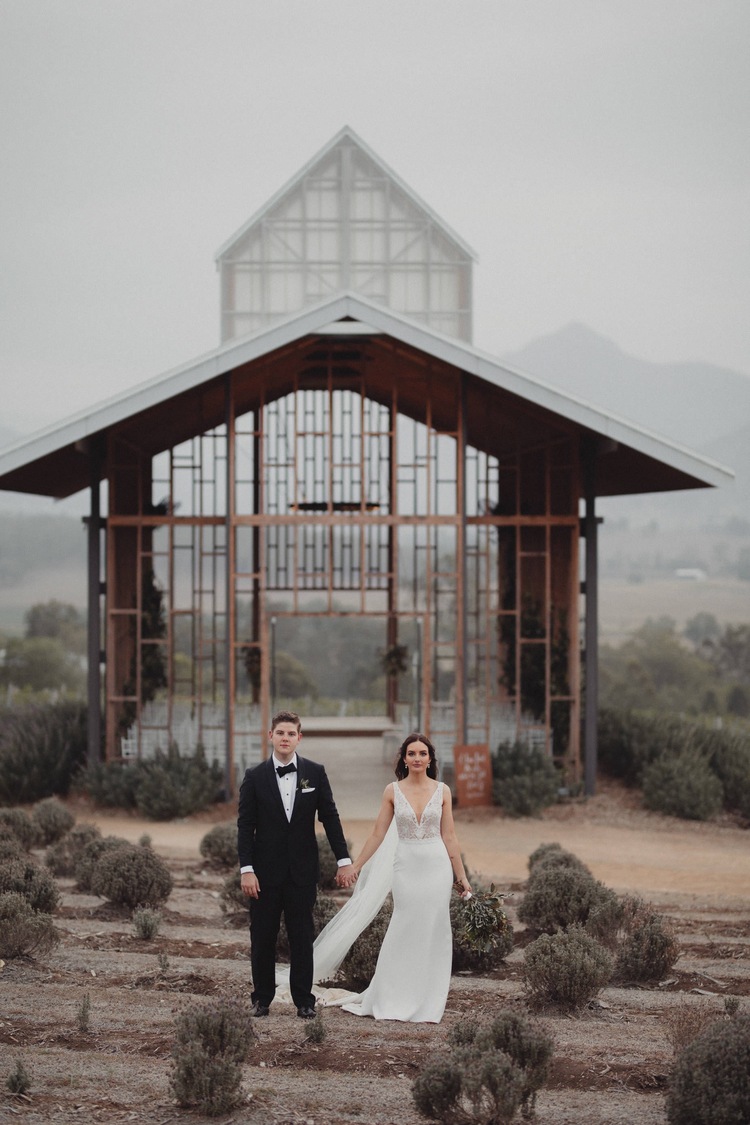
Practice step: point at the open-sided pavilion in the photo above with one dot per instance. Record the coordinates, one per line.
(346, 451)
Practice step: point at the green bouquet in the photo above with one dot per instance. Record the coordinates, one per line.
(485, 925)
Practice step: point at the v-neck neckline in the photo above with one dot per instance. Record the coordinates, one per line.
(418, 819)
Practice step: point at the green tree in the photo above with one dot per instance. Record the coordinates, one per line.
(60, 621)
(703, 627)
(40, 663)
(730, 654)
(293, 681)
(655, 670)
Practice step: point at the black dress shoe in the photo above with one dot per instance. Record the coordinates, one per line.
(306, 1013)
(259, 1009)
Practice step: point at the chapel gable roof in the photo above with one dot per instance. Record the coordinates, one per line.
(346, 222)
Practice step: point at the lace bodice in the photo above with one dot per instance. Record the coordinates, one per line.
(407, 825)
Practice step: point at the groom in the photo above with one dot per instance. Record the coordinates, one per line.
(278, 854)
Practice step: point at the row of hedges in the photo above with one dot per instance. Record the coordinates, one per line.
(166, 786)
(685, 768)
(42, 749)
(488, 1071)
(43, 753)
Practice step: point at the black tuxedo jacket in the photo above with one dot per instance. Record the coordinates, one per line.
(279, 849)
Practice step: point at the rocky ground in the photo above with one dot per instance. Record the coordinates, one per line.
(611, 1062)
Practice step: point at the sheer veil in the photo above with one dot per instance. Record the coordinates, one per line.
(375, 880)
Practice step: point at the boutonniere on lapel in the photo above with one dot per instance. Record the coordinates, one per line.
(304, 785)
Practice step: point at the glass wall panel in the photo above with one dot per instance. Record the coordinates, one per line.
(445, 495)
(411, 592)
(347, 224)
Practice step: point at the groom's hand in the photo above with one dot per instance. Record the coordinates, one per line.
(346, 876)
(250, 885)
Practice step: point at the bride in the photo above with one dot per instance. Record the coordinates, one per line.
(413, 852)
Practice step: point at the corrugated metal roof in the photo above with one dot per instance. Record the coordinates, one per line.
(44, 462)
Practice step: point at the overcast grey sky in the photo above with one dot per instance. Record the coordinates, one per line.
(594, 152)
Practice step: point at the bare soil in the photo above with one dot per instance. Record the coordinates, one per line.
(611, 1062)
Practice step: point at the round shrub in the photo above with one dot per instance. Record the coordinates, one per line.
(52, 820)
(682, 785)
(558, 896)
(131, 876)
(23, 930)
(112, 784)
(649, 947)
(21, 825)
(10, 846)
(175, 785)
(526, 1044)
(219, 845)
(64, 854)
(525, 780)
(32, 881)
(90, 854)
(469, 1086)
(568, 968)
(710, 1081)
(211, 1043)
(555, 855)
(437, 1089)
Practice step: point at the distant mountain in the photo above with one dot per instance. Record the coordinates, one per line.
(693, 403)
(706, 408)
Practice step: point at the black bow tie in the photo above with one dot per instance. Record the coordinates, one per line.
(281, 770)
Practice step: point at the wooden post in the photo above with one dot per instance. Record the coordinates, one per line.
(93, 686)
(592, 623)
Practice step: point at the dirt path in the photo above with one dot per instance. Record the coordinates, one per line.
(628, 848)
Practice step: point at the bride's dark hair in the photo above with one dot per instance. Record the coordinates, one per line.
(401, 767)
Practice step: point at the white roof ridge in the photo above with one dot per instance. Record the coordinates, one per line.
(314, 318)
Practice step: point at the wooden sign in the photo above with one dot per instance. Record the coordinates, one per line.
(473, 775)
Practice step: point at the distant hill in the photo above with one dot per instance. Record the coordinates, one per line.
(706, 408)
(694, 403)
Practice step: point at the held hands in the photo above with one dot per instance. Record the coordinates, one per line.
(346, 876)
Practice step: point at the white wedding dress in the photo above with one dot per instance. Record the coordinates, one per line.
(413, 972)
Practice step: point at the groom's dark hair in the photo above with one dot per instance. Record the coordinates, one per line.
(286, 717)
